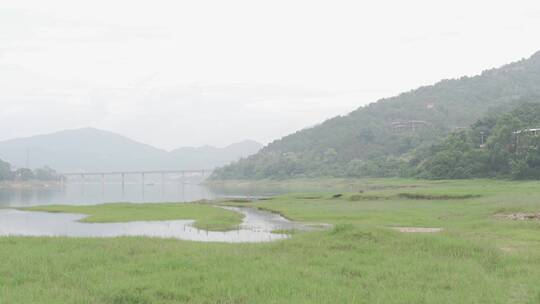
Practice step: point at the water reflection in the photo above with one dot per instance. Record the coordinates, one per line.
(257, 226)
(95, 192)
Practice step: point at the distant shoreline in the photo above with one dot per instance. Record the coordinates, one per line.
(32, 184)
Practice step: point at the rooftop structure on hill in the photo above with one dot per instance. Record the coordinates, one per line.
(409, 125)
(534, 131)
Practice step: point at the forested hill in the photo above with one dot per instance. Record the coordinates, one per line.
(372, 139)
(498, 145)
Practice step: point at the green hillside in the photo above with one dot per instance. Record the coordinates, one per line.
(499, 145)
(374, 140)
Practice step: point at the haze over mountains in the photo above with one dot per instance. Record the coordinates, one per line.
(374, 140)
(90, 149)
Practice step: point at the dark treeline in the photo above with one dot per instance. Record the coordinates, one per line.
(390, 137)
(25, 174)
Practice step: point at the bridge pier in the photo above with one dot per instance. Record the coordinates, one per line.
(162, 184)
(142, 184)
(123, 183)
(63, 181)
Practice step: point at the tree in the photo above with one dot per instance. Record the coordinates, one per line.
(46, 174)
(24, 174)
(5, 171)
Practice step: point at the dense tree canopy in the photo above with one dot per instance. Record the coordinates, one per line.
(380, 139)
(510, 149)
(5, 171)
(25, 174)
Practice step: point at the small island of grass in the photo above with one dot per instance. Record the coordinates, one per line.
(206, 216)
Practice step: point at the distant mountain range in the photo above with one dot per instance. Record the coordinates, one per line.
(375, 139)
(90, 149)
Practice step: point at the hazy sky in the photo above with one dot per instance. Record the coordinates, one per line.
(181, 73)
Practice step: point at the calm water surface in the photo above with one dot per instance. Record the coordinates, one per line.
(256, 227)
(90, 193)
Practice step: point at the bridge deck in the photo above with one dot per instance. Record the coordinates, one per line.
(203, 171)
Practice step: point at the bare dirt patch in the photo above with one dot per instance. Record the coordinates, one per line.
(417, 229)
(421, 196)
(521, 216)
(507, 249)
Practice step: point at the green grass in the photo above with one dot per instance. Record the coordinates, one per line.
(478, 258)
(206, 216)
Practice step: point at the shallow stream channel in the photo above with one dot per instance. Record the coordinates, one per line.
(256, 227)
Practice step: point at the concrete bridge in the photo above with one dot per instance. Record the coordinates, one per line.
(184, 174)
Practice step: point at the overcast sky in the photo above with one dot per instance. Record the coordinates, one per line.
(188, 73)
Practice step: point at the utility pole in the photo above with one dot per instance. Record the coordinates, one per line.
(482, 137)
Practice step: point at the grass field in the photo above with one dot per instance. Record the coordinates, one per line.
(206, 216)
(479, 257)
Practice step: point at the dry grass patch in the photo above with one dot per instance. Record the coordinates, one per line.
(417, 229)
(521, 216)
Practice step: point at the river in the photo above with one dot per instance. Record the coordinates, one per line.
(94, 192)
